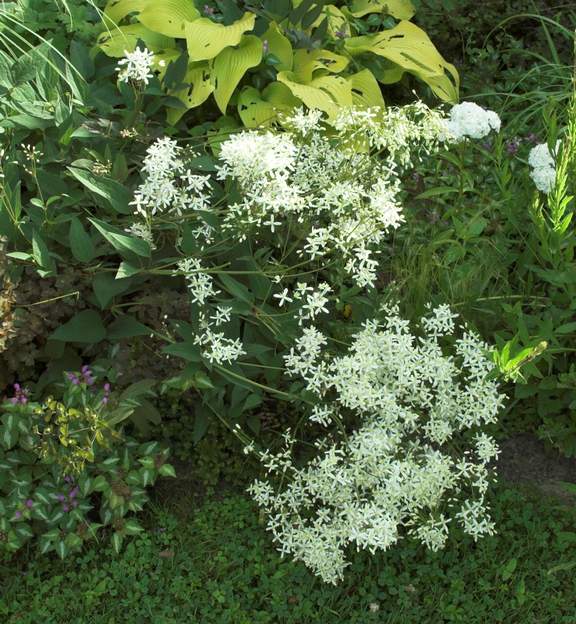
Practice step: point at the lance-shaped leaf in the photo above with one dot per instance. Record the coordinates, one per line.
(206, 39)
(120, 240)
(231, 65)
(410, 47)
(168, 17)
(85, 327)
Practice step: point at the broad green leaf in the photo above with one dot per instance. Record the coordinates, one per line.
(338, 25)
(279, 46)
(168, 17)
(409, 47)
(120, 240)
(327, 93)
(117, 10)
(366, 92)
(201, 81)
(306, 62)
(206, 39)
(80, 242)
(85, 327)
(400, 9)
(259, 109)
(127, 327)
(167, 470)
(117, 41)
(106, 287)
(231, 65)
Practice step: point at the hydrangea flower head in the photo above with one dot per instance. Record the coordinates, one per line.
(468, 120)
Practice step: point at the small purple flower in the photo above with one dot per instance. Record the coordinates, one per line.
(341, 34)
(87, 375)
(74, 503)
(68, 479)
(512, 146)
(20, 395)
(60, 497)
(65, 508)
(73, 378)
(106, 397)
(532, 138)
(29, 503)
(73, 492)
(17, 515)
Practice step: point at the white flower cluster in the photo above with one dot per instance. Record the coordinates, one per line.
(170, 187)
(543, 167)
(397, 473)
(136, 66)
(470, 120)
(327, 183)
(216, 347)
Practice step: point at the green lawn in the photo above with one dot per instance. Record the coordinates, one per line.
(215, 564)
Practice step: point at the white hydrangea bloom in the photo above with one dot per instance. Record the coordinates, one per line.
(470, 120)
(392, 474)
(136, 66)
(543, 167)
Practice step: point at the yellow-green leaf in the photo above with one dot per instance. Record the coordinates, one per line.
(366, 92)
(201, 82)
(400, 9)
(327, 93)
(279, 46)
(230, 66)
(410, 47)
(124, 39)
(168, 17)
(206, 39)
(259, 109)
(306, 62)
(117, 10)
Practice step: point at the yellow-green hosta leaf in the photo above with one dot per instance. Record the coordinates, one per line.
(162, 59)
(201, 82)
(327, 93)
(206, 39)
(124, 39)
(230, 66)
(260, 109)
(409, 47)
(279, 46)
(117, 10)
(337, 23)
(306, 62)
(168, 17)
(366, 92)
(400, 9)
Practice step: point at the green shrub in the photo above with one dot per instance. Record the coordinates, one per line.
(60, 461)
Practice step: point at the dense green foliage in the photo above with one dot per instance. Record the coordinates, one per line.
(82, 286)
(215, 564)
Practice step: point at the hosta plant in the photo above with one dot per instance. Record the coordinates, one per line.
(265, 58)
(66, 470)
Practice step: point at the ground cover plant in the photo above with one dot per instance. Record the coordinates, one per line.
(321, 254)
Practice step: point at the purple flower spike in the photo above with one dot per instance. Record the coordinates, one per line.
(73, 378)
